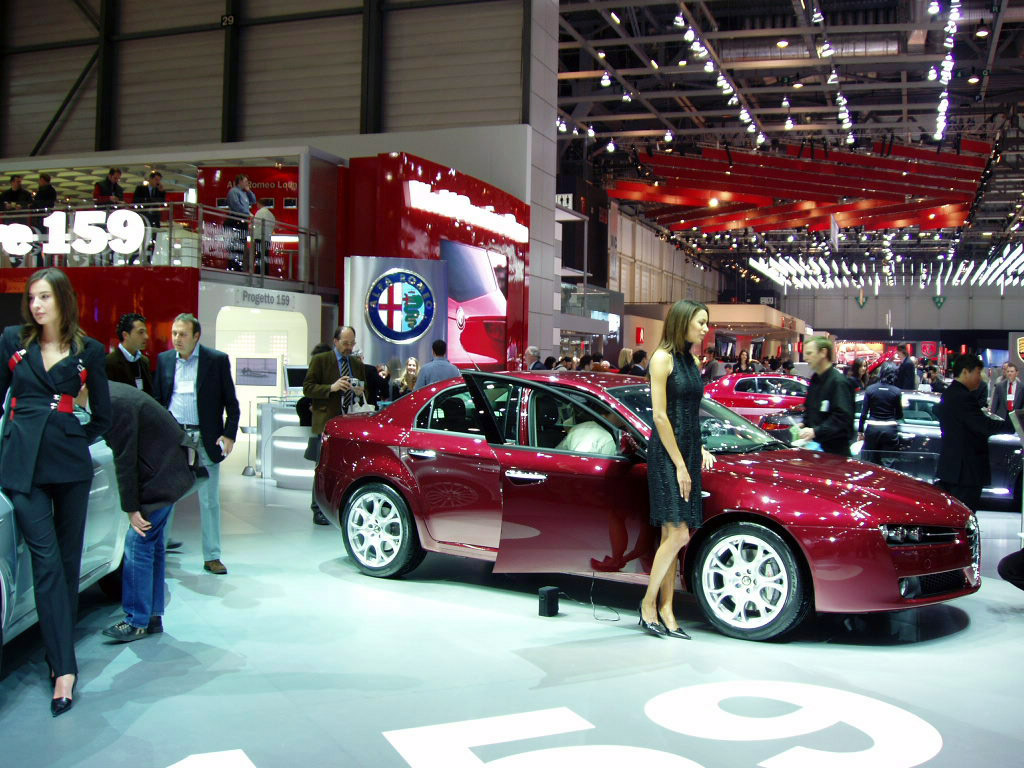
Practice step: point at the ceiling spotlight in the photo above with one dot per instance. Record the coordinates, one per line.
(833, 78)
(689, 35)
(734, 101)
(606, 80)
(982, 31)
(785, 102)
(761, 139)
(600, 54)
(933, 7)
(827, 50)
(789, 123)
(817, 17)
(679, 21)
(798, 84)
(751, 128)
(611, 145)
(626, 97)
(615, 17)
(668, 136)
(562, 127)
(973, 79)
(709, 66)
(782, 43)
(933, 74)
(654, 64)
(849, 138)
(591, 132)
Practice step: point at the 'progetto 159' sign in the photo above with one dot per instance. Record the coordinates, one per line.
(122, 231)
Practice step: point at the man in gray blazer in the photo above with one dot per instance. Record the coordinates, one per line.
(153, 467)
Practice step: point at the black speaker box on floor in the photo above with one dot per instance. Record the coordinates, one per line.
(548, 601)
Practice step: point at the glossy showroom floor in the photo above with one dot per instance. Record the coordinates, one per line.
(295, 659)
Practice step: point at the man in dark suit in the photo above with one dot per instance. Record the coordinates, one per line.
(963, 457)
(1009, 394)
(331, 385)
(906, 377)
(152, 195)
(194, 383)
(151, 460)
(127, 364)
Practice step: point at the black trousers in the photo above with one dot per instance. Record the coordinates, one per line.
(51, 519)
(970, 495)
(1011, 568)
(313, 505)
(878, 438)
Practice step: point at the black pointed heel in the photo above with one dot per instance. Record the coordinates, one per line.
(652, 627)
(64, 703)
(679, 633)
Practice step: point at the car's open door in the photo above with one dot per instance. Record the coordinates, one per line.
(569, 503)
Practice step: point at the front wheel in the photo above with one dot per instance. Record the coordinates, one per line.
(749, 584)
(380, 533)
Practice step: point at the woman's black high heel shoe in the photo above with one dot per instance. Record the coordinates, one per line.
(678, 632)
(64, 703)
(652, 627)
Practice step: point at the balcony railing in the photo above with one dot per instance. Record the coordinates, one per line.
(161, 234)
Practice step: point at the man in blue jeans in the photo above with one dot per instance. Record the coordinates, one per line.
(152, 462)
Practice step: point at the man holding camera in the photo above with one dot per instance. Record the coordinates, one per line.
(334, 382)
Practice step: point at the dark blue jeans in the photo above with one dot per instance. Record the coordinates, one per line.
(143, 575)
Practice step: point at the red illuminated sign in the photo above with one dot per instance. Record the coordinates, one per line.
(639, 335)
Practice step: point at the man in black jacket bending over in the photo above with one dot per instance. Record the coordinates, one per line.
(152, 466)
(828, 410)
(964, 467)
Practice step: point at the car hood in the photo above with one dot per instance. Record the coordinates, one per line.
(825, 489)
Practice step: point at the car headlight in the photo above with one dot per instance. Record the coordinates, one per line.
(897, 535)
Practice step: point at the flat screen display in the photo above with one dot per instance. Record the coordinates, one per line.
(256, 372)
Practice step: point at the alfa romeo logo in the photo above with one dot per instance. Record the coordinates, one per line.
(400, 306)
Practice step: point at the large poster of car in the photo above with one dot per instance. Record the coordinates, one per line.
(873, 351)
(477, 297)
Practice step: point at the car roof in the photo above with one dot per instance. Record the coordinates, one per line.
(734, 377)
(583, 379)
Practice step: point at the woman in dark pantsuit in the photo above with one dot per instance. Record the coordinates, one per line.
(45, 466)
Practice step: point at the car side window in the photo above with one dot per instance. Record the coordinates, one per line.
(919, 411)
(746, 385)
(789, 388)
(559, 423)
(451, 411)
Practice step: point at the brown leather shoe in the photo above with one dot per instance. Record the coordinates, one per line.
(215, 566)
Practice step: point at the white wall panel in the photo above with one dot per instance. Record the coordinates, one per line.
(33, 23)
(301, 78)
(145, 15)
(456, 65)
(169, 90)
(36, 84)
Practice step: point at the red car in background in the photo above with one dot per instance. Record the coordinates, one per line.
(755, 395)
(480, 466)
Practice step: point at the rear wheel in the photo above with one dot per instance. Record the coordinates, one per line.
(749, 584)
(380, 533)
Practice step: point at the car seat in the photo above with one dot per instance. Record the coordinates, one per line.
(549, 431)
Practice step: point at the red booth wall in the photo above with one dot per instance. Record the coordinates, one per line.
(378, 221)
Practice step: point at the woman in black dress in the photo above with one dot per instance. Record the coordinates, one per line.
(45, 468)
(675, 458)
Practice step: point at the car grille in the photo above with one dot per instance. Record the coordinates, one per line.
(941, 583)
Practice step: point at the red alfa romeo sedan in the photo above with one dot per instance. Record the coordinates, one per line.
(756, 395)
(545, 472)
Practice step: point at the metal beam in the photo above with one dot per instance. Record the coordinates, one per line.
(106, 76)
(88, 12)
(371, 110)
(749, 34)
(64, 104)
(526, 83)
(230, 103)
(997, 29)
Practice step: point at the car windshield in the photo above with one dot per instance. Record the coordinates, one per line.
(470, 274)
(722, 430)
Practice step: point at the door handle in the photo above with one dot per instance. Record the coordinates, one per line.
(424, 453)
(522, 478)
(761, 402)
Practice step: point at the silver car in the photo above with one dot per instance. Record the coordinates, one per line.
(105, 528)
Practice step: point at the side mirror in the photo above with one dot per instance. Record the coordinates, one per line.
(628, 445)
